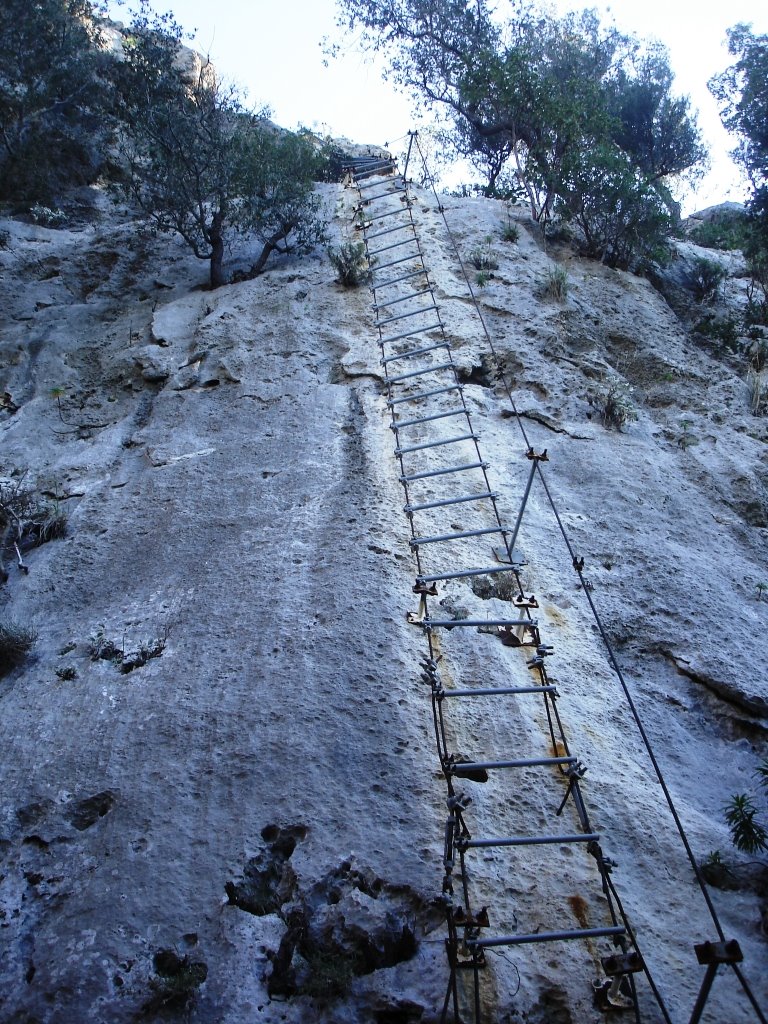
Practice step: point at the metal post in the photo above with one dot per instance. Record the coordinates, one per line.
(411, 137)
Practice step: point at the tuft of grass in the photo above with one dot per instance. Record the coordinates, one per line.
(101, 648)
(482, 257)
(555, 284)
(176, 983)
(482, 278)
(16, 641)
(614, 406)
(755, 392)
(349, 263)
(510, 231)
(716, 872)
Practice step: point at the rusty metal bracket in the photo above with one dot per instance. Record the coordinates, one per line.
(578, 564)
(712, 954)
(464, 920)
(728, 952)
(420, 587)
(525, 601)
(623, 963)
(535, 456)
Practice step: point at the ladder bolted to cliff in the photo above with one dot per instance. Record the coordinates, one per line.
(442, 470)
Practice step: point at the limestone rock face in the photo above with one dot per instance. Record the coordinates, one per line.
(220, 790)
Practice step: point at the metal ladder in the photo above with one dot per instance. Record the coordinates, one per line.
(444, 478)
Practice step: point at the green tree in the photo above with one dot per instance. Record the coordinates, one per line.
(742, 93)
(620, 214)
(53, 90)
(582, 114)
(655, 128)
(201, 165)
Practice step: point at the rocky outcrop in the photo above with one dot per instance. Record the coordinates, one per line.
(248, 823)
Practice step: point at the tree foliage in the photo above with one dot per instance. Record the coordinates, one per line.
(742, 93)
(76, 93)
(53, 89)
(200, 164)
(582, 114)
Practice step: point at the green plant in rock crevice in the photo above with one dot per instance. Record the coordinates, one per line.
(350, 264)
(686, 440)
(705, 278)
(555, 284)
(748, 834)
(614, 406)
(482, 257)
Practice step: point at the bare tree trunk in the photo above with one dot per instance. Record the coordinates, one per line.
(272, 243)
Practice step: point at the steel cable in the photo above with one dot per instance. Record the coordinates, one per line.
(578, 566)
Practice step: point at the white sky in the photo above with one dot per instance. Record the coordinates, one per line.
(271, 48)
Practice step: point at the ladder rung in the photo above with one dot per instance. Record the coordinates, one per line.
(399, 424)
(451, 501)
(420, 372)
(388, 231)
(435, 444)
(393, 263)
(397, 280)
(381, 195)
(416, 542)
(380, 169)
(443, 472)
(424, 394)
(411, 312)
(400, 193)
(410, 334)
(534, 762)
(579, 837)
(518, 940)
(460, 574)
(394, 245)
(450, 623)
(403, 298)
(373, 184)
(383, 216)
(498, 691)
(414, 352)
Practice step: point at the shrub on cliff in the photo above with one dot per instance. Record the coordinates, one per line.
(198, 163)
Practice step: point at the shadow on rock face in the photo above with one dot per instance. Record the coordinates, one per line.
(347, 924)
